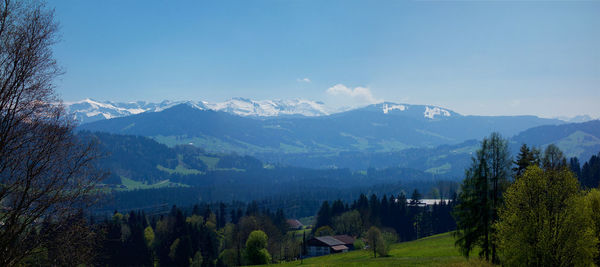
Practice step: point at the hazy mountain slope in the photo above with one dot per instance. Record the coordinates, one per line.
(371, 129)
(219, 177)
(576, 140)
(580, 140)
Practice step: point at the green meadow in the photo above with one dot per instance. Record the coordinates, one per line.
(437, 250)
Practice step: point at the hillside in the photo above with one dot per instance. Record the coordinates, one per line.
(136, 162)
(437, 250)
(580, 140)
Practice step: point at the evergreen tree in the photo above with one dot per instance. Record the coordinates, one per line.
(525, 159)
(323, 216)
(416, 197)
(221, 221)
(481, 197)
(575, 167)
(337, 208)
(590, 172)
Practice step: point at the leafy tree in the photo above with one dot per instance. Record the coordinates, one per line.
(481, 197)
(256, 252)
(375, 240)
(359, 244)
(324, 231)
(545, 222)
(388, 238)
(593, 202)
(229, 257)
(197, 260)
(149, 236)
(553, 158)
(348, 223)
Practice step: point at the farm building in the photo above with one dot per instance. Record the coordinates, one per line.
(324, 245)
(294, 224)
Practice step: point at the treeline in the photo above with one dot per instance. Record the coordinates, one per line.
(589, 173)
(194, 237)
(299, 200)
(406, 219)
(532, 211)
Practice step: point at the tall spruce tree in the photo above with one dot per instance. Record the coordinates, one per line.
(526, 157)
(575, 167)
(481, 197)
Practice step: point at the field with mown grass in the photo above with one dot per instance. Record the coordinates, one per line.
(437, 250)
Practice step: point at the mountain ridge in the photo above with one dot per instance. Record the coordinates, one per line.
(364, 129)
(89, 110)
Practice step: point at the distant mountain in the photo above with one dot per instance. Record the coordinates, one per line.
(580, 140)
(381, 127)
(268, 108)
(89, 110)
(578, 118)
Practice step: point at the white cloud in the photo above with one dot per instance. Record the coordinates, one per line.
(303, 80)
(359, 94)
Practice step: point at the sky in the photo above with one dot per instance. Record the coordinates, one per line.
(474, 57)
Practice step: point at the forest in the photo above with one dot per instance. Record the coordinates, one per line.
(218, 234)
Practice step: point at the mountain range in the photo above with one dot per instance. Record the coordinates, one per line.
(380, 127)
(89, 110)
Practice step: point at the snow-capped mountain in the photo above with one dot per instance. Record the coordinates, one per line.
(89, 110)
(427, 112)
(269, 108)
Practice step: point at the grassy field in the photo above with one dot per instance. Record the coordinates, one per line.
(131, 184)
(437, 250)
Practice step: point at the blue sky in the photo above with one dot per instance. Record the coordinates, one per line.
(474, 57)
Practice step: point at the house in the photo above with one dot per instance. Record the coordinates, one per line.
(294, 224)
(325, 245)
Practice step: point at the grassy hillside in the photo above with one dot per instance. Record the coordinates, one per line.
(437, 250)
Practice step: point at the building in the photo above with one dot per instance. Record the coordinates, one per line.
(325, 245)
(294, 224)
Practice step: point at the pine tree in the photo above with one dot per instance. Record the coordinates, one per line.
(575, 167)
(323, 216)
(481, 197)
(525, 159)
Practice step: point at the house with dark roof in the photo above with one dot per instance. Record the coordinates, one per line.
(325, 245)
(294, 224)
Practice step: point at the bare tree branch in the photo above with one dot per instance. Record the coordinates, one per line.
(46, 173)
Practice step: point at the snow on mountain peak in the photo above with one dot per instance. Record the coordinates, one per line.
(387, 108)
(431, 112)
(89, 110)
